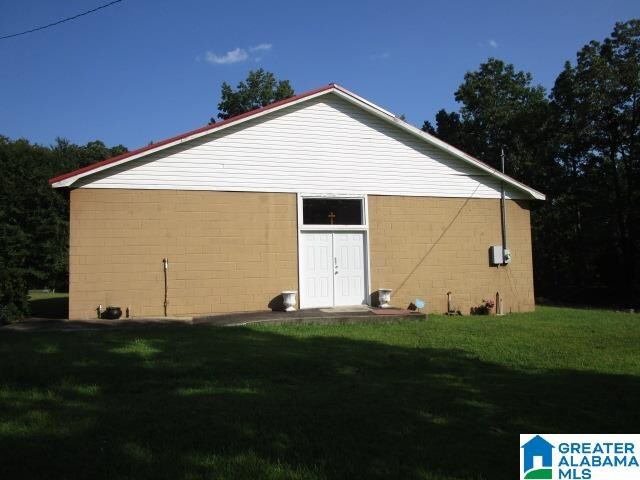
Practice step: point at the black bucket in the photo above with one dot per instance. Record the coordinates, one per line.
(112, 313)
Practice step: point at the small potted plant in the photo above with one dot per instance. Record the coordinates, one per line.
(487, 307)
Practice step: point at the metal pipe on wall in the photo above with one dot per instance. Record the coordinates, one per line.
(503, 206)
(165, 262)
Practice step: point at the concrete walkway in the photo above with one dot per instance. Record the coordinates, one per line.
(309, 316)
(312, 315)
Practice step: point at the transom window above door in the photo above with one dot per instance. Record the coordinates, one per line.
(332, 211)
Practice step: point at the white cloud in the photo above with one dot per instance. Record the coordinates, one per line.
(380, 56)
(493, 44)
(232, 56)
(263, 47)
(237, 55)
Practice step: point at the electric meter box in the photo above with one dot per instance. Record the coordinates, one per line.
(499, 255)
(495, 255)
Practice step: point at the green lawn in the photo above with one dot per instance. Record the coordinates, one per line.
(442, 398)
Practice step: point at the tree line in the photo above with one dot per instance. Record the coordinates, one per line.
(578, 143)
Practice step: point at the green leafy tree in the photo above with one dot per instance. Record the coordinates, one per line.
(13, 243)
(450, 128)
(259, 90)
(597, 104)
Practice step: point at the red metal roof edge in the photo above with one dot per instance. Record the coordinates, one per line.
(251, 113)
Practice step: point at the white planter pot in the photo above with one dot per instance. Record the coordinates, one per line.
(289, 300)
(384, 297)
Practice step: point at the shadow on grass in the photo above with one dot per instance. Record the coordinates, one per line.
(246, 403)
(54, 307)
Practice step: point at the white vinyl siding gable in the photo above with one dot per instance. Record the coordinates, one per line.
(325, 145)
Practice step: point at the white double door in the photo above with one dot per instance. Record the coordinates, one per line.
(332, 269)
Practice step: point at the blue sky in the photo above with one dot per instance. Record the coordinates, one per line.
(144, 70)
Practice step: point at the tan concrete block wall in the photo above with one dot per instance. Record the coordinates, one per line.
(423, 247)
(227, 251)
